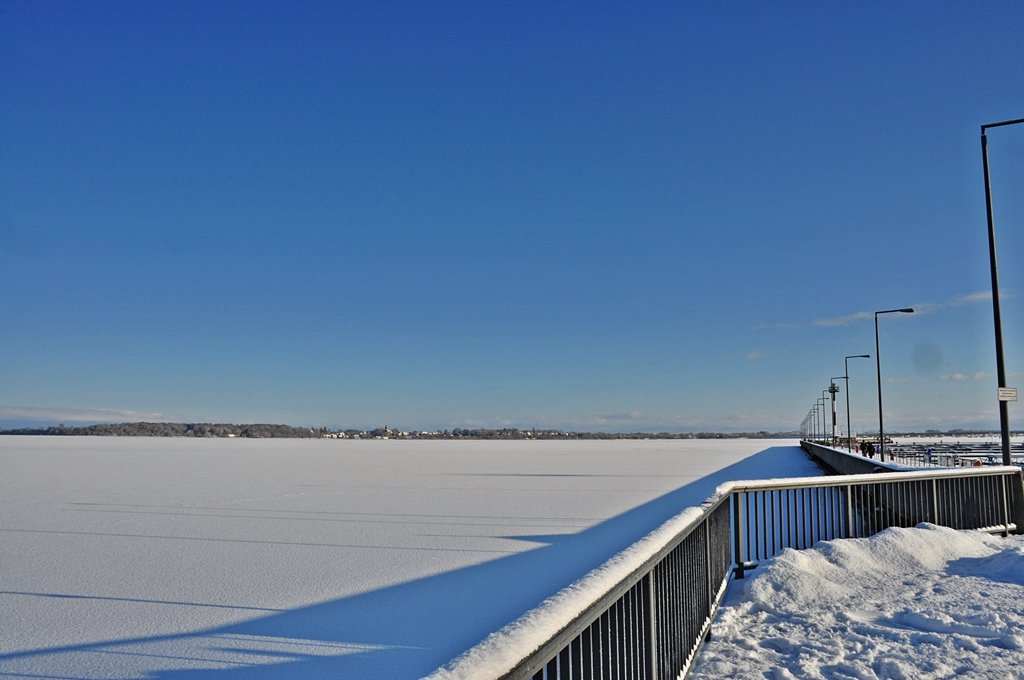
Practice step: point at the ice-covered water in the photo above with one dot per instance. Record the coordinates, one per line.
(172, 558)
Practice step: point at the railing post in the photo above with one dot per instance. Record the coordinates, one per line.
(935, 501)
(737, 534)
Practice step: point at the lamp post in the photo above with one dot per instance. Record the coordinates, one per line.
(1004, 415)
(878, 369)
(824, 420)
(846, 377)
(832, 389)
(814, 422)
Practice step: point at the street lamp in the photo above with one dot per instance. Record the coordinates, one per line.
(1004, 415)
(878, 368)
(824, 420)
(832, 389)
(846, 377)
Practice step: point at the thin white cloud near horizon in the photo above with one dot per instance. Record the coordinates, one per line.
(964, 377)
(74, 414)
(919, 309)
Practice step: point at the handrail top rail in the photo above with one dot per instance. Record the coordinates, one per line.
(870, 478)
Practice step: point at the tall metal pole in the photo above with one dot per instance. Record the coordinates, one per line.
(846, 377)
(824, 420)
(878, 370)
(832, 389)
(848, 435)
(1004, 412)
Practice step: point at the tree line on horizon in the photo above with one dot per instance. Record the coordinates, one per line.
(278, 431)
(267, 431)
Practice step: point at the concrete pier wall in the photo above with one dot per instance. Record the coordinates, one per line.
(843, 462)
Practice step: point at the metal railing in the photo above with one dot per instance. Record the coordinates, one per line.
(770, 517)
(651, 624)
(944, 454)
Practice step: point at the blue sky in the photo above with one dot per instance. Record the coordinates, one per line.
(584, 215)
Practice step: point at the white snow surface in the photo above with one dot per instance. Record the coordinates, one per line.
(925, 602)
(174, 558)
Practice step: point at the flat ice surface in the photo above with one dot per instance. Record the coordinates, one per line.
(921, 603)
(230, 558)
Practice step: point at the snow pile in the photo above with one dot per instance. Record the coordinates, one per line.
(927, 602)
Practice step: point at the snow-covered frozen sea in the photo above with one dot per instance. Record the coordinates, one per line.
(172, 558)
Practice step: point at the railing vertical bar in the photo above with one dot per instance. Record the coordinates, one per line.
(759, 525)
(838, 513)
(576, 658)
(810, 508)
(669, 627)
(888, 506)
(639, 650)
(957, 489)
(961, 491)
(891, 491)
(828, 500)
(901, 499)
(954, 510)
(737, 533)
(606, 667)
(873, 493)
(1005, 493)
(747, 531)
(652, 626)
(620, 639)
(829, 524)
(707, 561)
(832, 514)
(613, 642)
(819, 535)
(628, 635)
(803, 517)
(849, 511)
(587, 654)
(789, 528)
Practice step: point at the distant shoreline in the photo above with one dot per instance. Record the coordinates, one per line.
(278, 431)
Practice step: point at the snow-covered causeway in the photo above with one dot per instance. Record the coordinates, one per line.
(171, 558)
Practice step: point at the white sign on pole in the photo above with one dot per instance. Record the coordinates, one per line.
(1007, 394)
